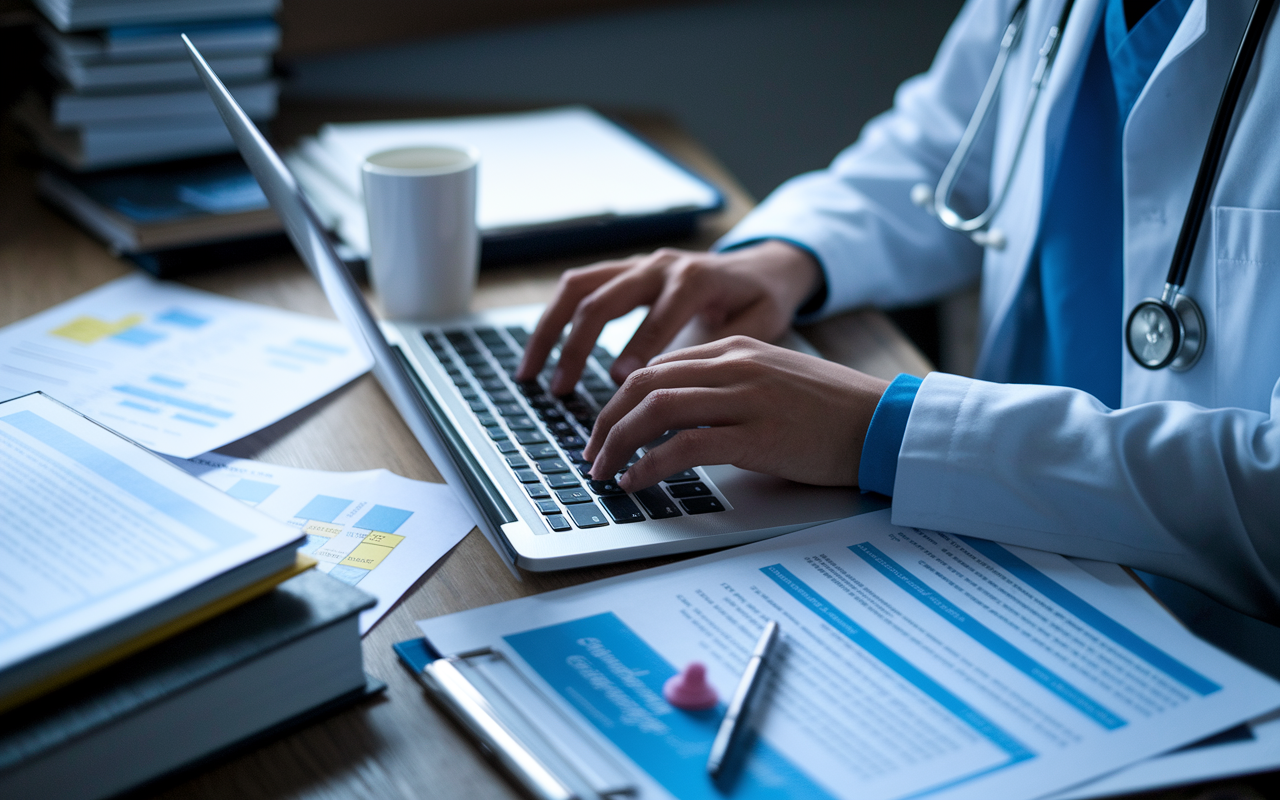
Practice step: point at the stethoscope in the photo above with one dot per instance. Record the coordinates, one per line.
(1167, 331)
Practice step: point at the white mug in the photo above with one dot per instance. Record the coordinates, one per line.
(424, 245)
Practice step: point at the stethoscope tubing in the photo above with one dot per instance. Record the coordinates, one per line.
(1202, 191)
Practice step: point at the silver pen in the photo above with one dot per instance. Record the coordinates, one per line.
(730, 736)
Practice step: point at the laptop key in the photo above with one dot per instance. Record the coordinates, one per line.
(510, 409)
(519, 334)
(527, 476)
(552, 466)
(530, 437)
(621, 509)
(681, 477)
(571, 496)
(537, 491)
(702, 505)
(478, 406)
(542, 451)
(507, 446)
(587, 515)
(517, 462)
(485, 373)
(656, 502)
(572, 442)
(502, 397)
(548, 506)
(486, 419)
(683, 490)
(558, 523)
(563, 481)
(521, 423)
(605, 487)
(496, 433)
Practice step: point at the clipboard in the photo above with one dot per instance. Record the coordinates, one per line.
(552, 759)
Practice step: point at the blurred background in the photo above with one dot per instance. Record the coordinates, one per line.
(772, 88)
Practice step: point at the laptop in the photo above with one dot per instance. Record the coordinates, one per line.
(511, 451)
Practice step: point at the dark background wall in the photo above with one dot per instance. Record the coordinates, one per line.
(772, 87)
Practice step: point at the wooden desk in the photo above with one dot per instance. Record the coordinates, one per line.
(398, 746)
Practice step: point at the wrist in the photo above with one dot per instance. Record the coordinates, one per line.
(793, 274)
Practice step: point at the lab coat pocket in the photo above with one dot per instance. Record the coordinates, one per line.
(1246, 249)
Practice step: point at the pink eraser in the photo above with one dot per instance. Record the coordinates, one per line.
(689, 690)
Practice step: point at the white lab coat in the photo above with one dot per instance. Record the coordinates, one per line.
(1184, 480)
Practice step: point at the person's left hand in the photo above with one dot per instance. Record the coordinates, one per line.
(742, 402)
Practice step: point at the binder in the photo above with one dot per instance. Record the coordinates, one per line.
(552, 758)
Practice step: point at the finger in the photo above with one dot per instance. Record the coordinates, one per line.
(687, 449)
(684, 292)
(661, 411)
(643, 383)
(623, 292)
(574, 285)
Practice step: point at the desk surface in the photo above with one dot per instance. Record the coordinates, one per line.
(398, 746)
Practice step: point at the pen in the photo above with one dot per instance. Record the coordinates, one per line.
(735, 723)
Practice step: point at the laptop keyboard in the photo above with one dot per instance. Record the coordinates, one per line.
(541, 437)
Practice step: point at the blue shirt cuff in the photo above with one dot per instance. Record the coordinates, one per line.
(879, 465)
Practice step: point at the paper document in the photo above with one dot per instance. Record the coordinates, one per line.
(178, 370)
(94, 529)
(536, 168)
(914, 664)
(372, 529)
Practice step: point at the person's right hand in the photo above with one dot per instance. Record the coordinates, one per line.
(753, 291)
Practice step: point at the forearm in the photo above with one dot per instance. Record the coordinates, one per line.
(1168, 487)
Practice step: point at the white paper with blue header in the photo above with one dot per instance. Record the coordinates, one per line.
(915, 664)
(94, 529)
(175, 369)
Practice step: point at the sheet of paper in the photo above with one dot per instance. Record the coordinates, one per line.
(914, 664)
(175, 369)
(1259, 753)
(94, 529)
(372, 529)
(536, 168)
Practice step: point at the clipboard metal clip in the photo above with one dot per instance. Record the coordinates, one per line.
(552, 758)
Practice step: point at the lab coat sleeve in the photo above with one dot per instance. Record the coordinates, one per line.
(1168, 487)
(874, 244)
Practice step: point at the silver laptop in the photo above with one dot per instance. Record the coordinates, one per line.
(511, 451)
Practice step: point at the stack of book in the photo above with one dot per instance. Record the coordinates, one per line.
(122, 90)
(150, 623)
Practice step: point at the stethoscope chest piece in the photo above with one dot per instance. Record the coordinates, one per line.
(1166, 332)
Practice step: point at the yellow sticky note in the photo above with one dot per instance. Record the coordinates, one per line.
(366, 556)
(384, 539)
(88, 330)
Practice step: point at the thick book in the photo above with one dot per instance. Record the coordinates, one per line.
(93, 147)
(79, 15)
(165, 206)
(552, 182)
(107, 543)
(120, 76)
(142, 42)
(69, 109)
(254, 672)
